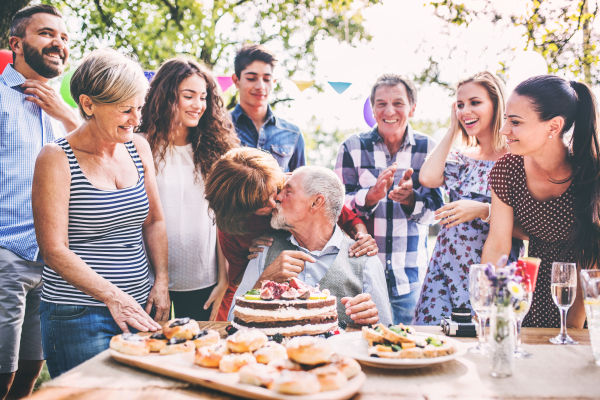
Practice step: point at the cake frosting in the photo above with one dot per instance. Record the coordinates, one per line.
(305, 310)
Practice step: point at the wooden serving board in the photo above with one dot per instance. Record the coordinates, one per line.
(182, 367)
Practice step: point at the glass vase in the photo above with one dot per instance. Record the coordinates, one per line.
(502, 341)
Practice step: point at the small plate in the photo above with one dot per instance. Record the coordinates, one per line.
(353, 345)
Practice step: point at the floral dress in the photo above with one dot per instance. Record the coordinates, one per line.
(446, 283)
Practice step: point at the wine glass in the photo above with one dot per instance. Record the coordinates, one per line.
(482, 296)
(528, 267)
(564, 289)
(521, 309)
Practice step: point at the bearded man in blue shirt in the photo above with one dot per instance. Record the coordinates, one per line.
(29, 111)
(254, 121)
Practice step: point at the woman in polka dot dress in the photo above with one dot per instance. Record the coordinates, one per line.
(477, 114)
(550, 186)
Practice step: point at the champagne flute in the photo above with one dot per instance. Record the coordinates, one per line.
(528, 267)
(564, 290)
(521, 309)
(481, 296)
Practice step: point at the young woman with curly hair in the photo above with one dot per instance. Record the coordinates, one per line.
(188, 129)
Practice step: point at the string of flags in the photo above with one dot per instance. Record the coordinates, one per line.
(225, 82)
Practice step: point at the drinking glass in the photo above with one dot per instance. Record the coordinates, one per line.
(521, 310)
(482, 297)
(564, 289)
(590, 283)
(529, 267)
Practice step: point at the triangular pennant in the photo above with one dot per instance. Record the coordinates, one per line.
(303, 85)
(340, 87)
(225, 82)
(149, 75)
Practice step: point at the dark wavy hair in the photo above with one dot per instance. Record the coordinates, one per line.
(551, 97)
(211, 138)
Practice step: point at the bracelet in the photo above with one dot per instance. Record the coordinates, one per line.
(489, 213)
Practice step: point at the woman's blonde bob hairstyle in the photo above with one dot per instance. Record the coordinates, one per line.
(497, 93)
(108, 77)
(239, 184)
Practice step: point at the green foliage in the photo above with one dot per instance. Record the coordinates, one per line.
(155, 30)
(43, 378)
(321, 146)
(429, 127)
(558, 30)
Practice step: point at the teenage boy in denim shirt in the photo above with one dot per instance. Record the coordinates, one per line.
(254, 121)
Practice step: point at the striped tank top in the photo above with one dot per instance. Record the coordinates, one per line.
(105, 231)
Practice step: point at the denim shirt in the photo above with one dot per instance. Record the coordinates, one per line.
(277, 136)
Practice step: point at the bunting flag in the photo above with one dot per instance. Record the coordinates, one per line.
(149, 75)
(225, 82)
(340, 87)
(303, 85)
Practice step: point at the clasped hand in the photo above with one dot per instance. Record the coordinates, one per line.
(402, 194)
(461, 211)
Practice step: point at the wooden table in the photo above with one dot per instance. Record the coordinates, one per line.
(388, 384)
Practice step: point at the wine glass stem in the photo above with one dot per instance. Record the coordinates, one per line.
(563, 322)
(482, 330)
(518, 333)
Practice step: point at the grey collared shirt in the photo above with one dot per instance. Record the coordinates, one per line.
(373, 274)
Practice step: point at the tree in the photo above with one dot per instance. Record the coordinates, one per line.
(154, 30)
(558, 30)
(8, 9)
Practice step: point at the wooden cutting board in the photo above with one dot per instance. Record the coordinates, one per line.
(182, 367)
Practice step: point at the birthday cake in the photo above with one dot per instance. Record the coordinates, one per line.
(290, 309)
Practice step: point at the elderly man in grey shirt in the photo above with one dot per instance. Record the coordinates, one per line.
(307, 210)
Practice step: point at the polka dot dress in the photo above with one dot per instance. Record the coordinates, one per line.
(548, 223)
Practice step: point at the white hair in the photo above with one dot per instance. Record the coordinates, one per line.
(320, 180)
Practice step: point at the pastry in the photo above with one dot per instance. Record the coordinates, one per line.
(233, 362)
(246, 340)
(285, 363)
(210, 356)
(130, 343)
(258, 374)
(399, 341)
(181, 328)
(348, 365)
(206, 337)
(157, 342)
(269, 352)
(176, 346)
(296, 382)
(330, 377)
(308, 350)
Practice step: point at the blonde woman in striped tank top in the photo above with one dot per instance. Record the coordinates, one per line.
(95, 201)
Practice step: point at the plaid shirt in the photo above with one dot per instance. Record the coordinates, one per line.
(401, 237)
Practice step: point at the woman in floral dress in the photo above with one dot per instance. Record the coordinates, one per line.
(551, 185)
(477, 114)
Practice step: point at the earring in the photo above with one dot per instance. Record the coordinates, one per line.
(549, 136)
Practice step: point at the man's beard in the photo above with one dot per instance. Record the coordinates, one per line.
(35, 59)
(278, 220)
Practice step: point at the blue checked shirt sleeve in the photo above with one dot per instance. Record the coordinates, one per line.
(426, 202)
(355, 194)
